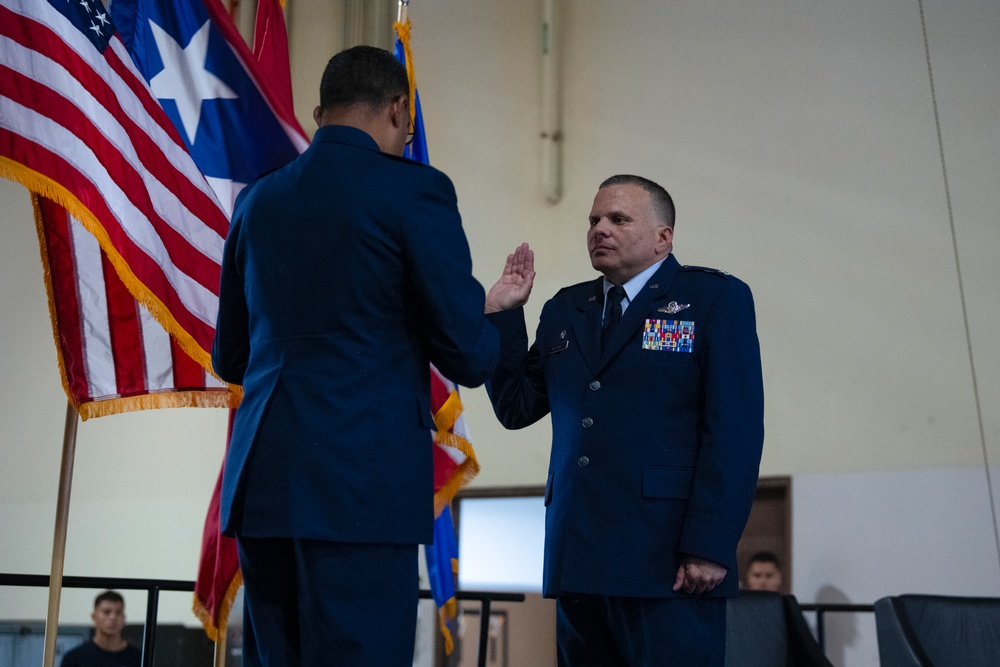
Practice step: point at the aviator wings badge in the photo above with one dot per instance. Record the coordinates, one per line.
(673, 308)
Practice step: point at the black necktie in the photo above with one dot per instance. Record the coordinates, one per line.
(612, 313)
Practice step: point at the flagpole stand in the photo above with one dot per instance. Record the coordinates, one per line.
(59, 536)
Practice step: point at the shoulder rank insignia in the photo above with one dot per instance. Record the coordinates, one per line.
(673, 308)
(706, 269)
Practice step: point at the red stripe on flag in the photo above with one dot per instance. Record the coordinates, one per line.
(188, 374)
(66, 309)
(187, 258)
(143, 266)
(29, 34)
(126, 333)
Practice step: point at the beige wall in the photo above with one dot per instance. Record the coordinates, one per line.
(799, 142)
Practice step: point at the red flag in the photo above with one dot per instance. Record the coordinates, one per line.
(270, 47)
(219, 577)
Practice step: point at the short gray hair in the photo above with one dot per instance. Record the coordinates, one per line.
(663, 203)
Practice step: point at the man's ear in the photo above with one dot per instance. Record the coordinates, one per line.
(400, 111)
(665, 237)
(318, 116)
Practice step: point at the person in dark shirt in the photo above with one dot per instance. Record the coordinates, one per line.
(106, 648)
(764, 572)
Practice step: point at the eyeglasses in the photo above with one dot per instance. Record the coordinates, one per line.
(410, 132)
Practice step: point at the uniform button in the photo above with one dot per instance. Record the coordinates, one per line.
(595, 385)
(587, 422)
(583, 461)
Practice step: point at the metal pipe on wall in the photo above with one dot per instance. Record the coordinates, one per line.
(551, 133)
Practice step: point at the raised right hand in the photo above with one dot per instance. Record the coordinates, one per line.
(514, 286)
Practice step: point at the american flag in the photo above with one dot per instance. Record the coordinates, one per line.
(135, 131)
(114, 356)
(132, 126)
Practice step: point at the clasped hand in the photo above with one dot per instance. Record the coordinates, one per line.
(697, 575)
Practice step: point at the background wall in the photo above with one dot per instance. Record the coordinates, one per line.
(800, 142)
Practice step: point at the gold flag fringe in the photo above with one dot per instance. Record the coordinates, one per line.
(444, 420)
(218, 632)
(53, 313)
(210, 398)
(403, 33)
(448, 611)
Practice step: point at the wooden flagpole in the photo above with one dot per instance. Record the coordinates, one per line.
(59, 536)
(220, 649)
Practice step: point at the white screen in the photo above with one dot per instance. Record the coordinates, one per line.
(500, 544)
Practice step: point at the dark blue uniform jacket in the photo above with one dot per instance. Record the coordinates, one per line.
(344, 274)
(656, 443)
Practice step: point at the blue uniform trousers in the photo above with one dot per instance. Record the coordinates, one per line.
(314, 602)
(610, 631)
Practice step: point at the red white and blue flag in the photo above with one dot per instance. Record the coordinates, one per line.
(135, 128)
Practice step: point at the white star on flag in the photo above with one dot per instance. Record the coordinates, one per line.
(184, 78)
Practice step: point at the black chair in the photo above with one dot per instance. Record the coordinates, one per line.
(938, 631)
(768, 630)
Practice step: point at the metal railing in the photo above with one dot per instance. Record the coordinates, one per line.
(154, 586)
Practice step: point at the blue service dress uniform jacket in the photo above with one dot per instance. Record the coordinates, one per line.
(656, 443)
(344, 274)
